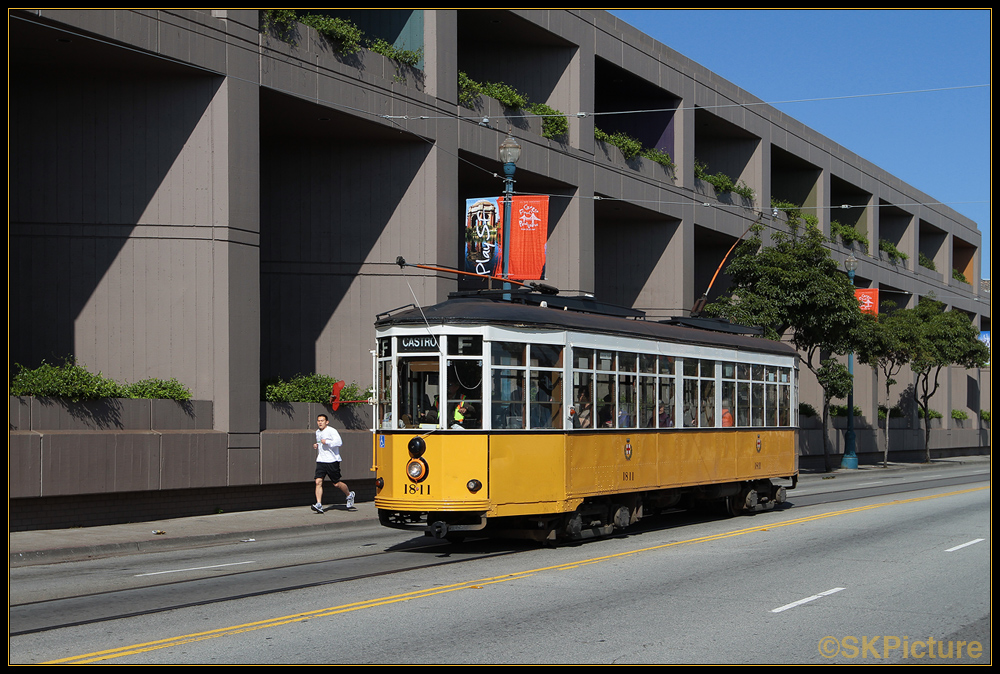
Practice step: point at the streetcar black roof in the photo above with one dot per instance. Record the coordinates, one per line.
(487, 311)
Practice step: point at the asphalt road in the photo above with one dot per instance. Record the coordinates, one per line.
(863, 567)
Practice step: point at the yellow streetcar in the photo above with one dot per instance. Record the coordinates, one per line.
(556, 417)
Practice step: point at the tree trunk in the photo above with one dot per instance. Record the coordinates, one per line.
(826, 436)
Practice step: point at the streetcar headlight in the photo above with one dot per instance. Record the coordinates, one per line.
(417, 446)
(379, 483)
(474, 485)
(416, 469)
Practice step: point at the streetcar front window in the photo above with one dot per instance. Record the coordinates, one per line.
(419, 392)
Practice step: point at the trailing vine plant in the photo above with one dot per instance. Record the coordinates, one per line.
(630, 147)
(847, 234)
(721, 182)
(344, 34)
(893, 253)
(554, 122)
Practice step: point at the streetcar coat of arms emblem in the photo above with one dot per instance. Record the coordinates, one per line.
(628, 450)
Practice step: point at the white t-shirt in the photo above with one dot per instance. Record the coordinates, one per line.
(328, 445)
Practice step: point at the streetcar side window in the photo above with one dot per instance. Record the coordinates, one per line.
(728, 414)
(605, 394)
(743, 395)
(583, 396)
(384, 395)
(546, 366)
(582, 413)
(667, 410)
(690, 387)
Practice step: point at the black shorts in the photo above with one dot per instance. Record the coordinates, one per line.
(331, 470)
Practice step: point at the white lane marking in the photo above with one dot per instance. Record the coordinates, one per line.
(965, 545)
(194, 568)
(806, 600)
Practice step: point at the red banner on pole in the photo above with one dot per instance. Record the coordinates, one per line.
(529, 228)
(868, 299)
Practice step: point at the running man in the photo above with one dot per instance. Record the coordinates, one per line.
(327, 447)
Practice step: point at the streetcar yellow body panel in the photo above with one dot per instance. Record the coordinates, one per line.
(452, 460)
(543, 473)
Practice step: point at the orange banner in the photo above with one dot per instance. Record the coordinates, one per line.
(529, 228)
(868, 299)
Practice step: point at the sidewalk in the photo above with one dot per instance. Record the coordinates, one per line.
(62, 545)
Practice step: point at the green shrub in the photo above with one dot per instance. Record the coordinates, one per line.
(74, 382)
(279, 21)
(659, 156)
(926, 262)
(629, 146)
(893, 413)
(309, 388)
(157, 389)
(841, 411)
(933, 414)
(469, 90)
(959, 415)
(847, 234)
(984, 415)
(721, 182)
(341, 32)
(958, 276)
(889, 248)
(506, 94)
(554, 123)
(807, 410)
(410, 57)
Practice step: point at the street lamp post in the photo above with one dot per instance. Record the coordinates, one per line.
(510, 152)
(850, 459)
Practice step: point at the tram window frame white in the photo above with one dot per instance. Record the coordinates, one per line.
(477, 405)
(570, 342)
(506, 411)
(741, 361)
(398, 334)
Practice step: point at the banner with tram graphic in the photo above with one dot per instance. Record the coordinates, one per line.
(529, 225)
(529, 229)
(868, 299)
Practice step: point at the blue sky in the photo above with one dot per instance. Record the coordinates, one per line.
(937, 141)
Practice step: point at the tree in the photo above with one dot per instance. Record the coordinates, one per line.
(794, 287)
(886, 349)
(936, 339)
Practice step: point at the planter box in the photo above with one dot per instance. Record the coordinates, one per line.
(123, 414)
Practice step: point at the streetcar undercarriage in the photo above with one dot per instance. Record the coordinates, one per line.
(595, 517)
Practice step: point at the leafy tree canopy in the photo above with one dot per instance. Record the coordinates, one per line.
(793, 286)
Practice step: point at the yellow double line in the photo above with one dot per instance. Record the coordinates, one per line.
(475, 584)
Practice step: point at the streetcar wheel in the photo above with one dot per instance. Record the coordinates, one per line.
(734, 505)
